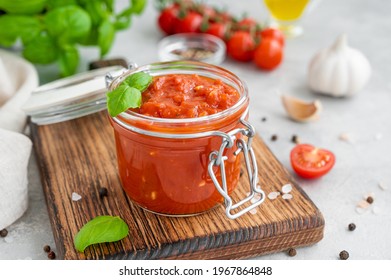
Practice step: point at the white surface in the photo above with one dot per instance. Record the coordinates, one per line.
(17, 79)
(362, 162)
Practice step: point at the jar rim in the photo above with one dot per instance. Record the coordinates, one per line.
(184, 66)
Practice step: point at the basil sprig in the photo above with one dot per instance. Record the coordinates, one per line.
(52, 31)
(99, 230)
(128, 93)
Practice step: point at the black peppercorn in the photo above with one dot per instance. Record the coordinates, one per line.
(343, 255)
(274, 137)
(292, 252)
(47, 248)
(370, 199)
(264, 119)
(102, 192)
(51, 255)
(3, 233)
(295, 139)
(352, 226)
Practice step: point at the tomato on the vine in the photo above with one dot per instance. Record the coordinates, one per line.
(274, 34)
(217, 29)
(247, 24)
(190, 23)
(241, 46)
(168, 18)
(268, 54)
(311, 162)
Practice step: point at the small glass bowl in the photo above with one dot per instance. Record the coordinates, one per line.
(192, 46)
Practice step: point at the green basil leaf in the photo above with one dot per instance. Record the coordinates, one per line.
(69, 24)
(42, 49)
(139, 80)
(97, 11)
(69, 60)
(26, 7)
(122, 98)
(109, 5)
(122, 22)
(16, 26)
(138, 6)
(99, 230)
(52, 4)
(106, 34)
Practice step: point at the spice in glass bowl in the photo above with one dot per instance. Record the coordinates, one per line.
(192, 46)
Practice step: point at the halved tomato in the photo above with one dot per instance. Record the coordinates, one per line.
(311, 162)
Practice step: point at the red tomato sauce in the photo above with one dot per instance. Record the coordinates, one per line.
(168, 175)
(186, 96)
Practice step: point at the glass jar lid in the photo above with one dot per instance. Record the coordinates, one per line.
(71, 97)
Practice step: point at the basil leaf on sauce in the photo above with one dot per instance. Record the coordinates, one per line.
(122, 98)
(139, 80)
(99, 230)
(128, 93)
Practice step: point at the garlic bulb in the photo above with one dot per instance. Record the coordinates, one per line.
(338, 70)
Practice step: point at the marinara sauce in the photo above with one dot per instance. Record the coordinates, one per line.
(164, 147)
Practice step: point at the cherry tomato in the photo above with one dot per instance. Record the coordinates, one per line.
(268, 54)
(241, 46)
(207, 11)
(191, 23)
(223, 16)
(247, 24)
(217, 29)
(311, 162)
(274, 34)
(167, 19)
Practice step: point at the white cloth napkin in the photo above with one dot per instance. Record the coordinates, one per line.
(17, 80)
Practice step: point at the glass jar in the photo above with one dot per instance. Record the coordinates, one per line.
(182, 167)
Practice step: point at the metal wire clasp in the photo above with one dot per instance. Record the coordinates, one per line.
(217, 158)
(111, 76)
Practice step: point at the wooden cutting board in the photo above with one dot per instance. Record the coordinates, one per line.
(79, 156)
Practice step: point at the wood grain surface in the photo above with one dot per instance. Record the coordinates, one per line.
(79, 156)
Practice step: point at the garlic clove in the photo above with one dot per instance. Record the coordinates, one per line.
(300, 110)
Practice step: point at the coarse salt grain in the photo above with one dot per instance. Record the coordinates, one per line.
(76, 196)
(287, 196)
(344, 137)
(287, 188)
(253, 211)
(382, 186)
(273, 195)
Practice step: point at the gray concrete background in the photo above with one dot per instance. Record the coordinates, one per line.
(361, 163)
